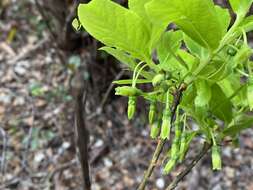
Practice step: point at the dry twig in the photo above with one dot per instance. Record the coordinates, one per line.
(187, 170)
(82, 135)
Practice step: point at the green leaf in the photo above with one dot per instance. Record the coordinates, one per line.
(220, 105)
(240, 7)
(197, 18)
(195, 48)
(125, 58)
(224, 18)
(121, 56)
(170, 43)
(241, 123)
(115, 26)
(216, 71)
(230, 85)
(203, 93)
(247, 24)
(138, 6)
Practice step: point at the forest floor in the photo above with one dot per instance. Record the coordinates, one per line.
(37, 146)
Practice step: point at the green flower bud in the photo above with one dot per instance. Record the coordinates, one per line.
(174, 149)
(243, 54)
(127, 91)
(151, 114)
(250, 92)
(158, 79)
(165, 133)
(131, 107)
(155, 129)
(231, 51)
(216, 157)
(76, 24)
(182, 146)
(169, 166)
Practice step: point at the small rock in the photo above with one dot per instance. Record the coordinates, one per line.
(21, 68)
(160, 183)
(230, 172)
(107, 162)
(5, 99)
(99, 143)
(19, 101)
(39, 157)
(217, 187)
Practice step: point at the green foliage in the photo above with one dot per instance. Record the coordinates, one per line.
(203, 53)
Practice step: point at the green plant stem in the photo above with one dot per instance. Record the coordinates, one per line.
(188, 168)
(161, 143)
(152, 164)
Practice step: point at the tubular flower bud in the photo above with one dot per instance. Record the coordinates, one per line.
(216, 158)
(131, 107)
(182, 146)
(169, 166)
(127, 91)
(155, 129)
(250, 92)
(151, 114)
(158, 79)
(165, 133)
(174, 149)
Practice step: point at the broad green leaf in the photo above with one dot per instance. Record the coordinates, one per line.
(125, 58)
(203, 93)
(115, 26)
(191, 61)
(220, 105)
(231, 85)
(241, 123)
(240, 7)
(170, 43)
(138, 6)
(195, 48)
(216, 71)
(197, 18)
(247, 24)
(224, 18)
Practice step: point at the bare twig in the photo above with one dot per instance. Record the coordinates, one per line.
(61, 168)
(82, 135)
(3, 157)
(161, 143)
(181, 176)
(29, 138)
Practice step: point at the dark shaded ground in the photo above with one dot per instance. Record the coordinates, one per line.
(36, 120)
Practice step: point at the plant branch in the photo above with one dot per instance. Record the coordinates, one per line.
(161, 143)
(81, 132)
(187, 170)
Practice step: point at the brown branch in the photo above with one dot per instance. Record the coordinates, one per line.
(177, 98)
(187, 170)
(81, 133)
